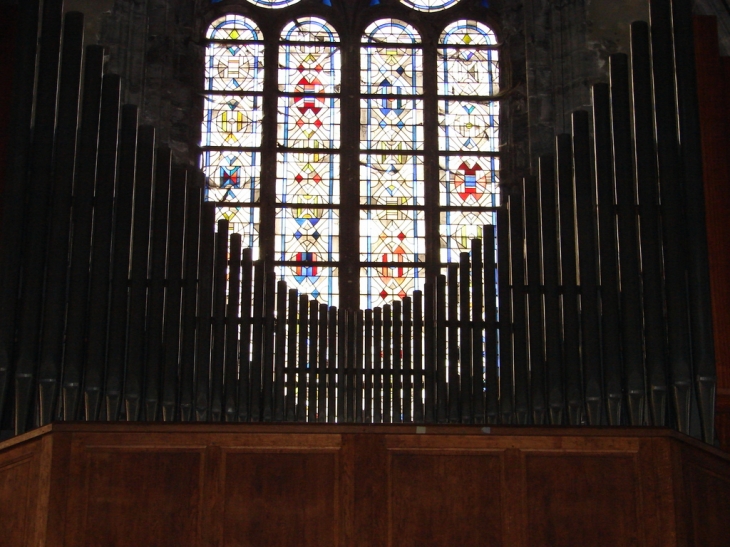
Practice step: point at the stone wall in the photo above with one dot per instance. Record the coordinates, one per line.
(556, 50)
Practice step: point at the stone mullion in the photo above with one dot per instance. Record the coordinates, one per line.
(431, 157)
(349, 278)
(268, 155)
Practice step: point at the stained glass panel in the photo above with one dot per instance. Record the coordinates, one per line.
(234, 67)
(307, 178)
(469, 181)
(391, 179)
(234, 27)
(391, 124)
(244, 221)
(468, 72)
(316, 281)
(232, 121)
(234, 172)
(392, 70)
(309, 29)
(273, 3)
(307, 233)
(429, 5)
(309, 122)
(390, 31)
(392, 235)
(468, 33)
(468, 126)
(457, 230)
(309, 69)
(382, 285)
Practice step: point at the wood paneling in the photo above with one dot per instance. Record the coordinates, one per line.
(16, 497)
(20, 488)
(435, 497)
(581, 499)
(351, 486)
(707, 492)
(137, 496)
(280, 499)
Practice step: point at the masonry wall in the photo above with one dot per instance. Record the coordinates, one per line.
(556, 50)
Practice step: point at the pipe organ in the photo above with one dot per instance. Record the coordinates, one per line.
(586, 304)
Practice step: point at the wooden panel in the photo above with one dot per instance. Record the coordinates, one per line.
(138, 496)
(18, 491)
(435, 497)
(710, 495)
(280, 498)
(351, 486)
(581, 499)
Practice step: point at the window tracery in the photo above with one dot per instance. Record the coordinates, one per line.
(424, 176)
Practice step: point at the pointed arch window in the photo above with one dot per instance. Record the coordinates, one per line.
(344, 221)
(232, 117)
(468, 80)
(308, 161)
(392, 218)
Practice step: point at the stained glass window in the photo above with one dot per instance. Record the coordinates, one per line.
(468, 68)
(308, 164)
(273, 3)
(279, 152)
(392, 239)
(429, 5)
(232, 117)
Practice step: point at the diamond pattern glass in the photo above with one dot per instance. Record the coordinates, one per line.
(469, 181)
(457, 230)
(384, 284)
(307, 178)
(232, 121)
(391, 179)
(307, 233)
(233, 173)
(468, 126)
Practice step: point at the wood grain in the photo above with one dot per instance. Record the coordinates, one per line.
(280, 499)
(95, 484)
(581, 499)
(436, 498)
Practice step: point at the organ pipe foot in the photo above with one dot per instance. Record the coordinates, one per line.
(150, 410)
(556, 415)
(522, 416)
(538, 416)
(113, 404)
(131, 405)
(168, 412)
(659, 406)
(70, 395)
(23, 394)
(682, 404)
(593, 410)
(47, 393)
(614, 409)
(636, 407)
(92, 402)
(706, 387)
(186, 413)
(575, 412)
